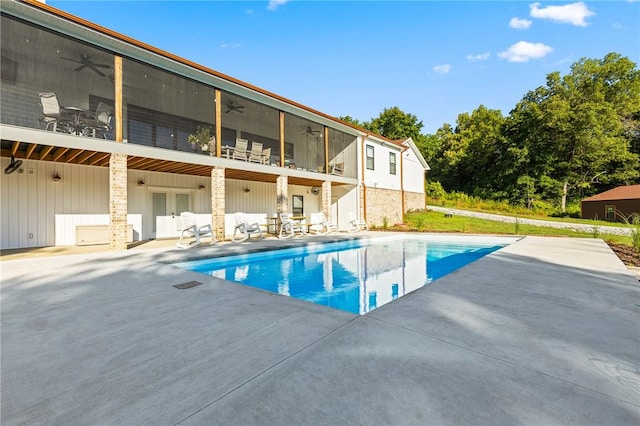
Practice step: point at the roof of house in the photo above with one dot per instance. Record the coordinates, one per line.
(411, 145)
(627, 192)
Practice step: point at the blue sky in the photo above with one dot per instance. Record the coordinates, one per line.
(433, 59)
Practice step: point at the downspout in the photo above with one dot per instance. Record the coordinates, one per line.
(402, 183)
(218, 121)
(364, 186)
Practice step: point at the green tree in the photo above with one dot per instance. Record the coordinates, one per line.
(578, 123)
(395, 124)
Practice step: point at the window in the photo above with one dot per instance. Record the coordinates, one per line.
(610, 212)
(392, 163)
(370, 157)
(298, 203)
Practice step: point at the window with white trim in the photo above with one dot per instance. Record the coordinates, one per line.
(370, 157)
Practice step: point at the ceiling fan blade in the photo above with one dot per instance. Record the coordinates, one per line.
(80, 68)
(72, 60)
(97, 71)
(102, 65)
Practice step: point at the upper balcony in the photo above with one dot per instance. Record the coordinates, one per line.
(58, 84)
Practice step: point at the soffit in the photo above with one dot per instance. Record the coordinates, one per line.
(97, 158)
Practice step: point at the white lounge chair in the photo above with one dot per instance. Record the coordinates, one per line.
(191, 229)
(255, 155)
(288, 226)
(356, 224)
(245, 228)
(240, 150)
(320, 225)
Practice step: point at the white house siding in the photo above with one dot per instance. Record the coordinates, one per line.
(345, 199)
(380, 177)
(30, 200)
(413, 173)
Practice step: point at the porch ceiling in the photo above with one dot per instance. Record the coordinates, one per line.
(34, 151)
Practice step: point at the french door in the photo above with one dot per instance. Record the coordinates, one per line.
(166, 207)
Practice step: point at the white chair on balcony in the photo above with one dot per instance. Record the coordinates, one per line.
(255, 156)
(190, 229)
(240, 150)
(102, 124)
(266, 156)
(244, 228)
(52, 118)
(336, 166)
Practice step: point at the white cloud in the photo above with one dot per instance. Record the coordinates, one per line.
(479, 57)
(230, 45)
(274, 4)
(519, 24)
(523, 51)
(574, 13)
(442, 69)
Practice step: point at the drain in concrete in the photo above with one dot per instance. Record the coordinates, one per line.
(188, 284)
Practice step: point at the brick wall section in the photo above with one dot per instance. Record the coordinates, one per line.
(118, 201)
(383, 203)
(282, 197)
(326, 200)
(217, 202)
(414, 201)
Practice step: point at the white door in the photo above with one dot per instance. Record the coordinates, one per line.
(166, 208)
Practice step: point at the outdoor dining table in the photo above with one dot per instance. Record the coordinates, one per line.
(78, 112)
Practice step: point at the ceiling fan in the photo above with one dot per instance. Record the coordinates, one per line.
(232, 106)
(86, 62)
(309, 131)
(13, 166)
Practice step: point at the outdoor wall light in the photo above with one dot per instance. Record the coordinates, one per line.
(56, 177)
(247, 190)
(140, 182)
(201, 187)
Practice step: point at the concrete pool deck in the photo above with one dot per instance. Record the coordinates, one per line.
(544, 331)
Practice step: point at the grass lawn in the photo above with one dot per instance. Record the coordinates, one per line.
(430, 221)
(537, 217)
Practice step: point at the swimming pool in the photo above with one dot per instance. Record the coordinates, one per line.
(356, 276)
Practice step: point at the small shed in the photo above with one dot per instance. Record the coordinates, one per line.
(613, 205)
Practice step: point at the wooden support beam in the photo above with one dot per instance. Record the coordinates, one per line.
(30, 149)
(73, 154)
(59, 153)
(45, 151)
(85, 156)
(99, 157)
(14, 147)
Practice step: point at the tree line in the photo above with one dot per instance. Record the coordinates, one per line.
(577, 135)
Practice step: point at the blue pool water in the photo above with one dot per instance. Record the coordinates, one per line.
(354, 276)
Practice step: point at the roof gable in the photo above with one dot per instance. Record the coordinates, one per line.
(627, 192)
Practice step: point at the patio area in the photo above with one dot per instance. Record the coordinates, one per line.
(544, 331)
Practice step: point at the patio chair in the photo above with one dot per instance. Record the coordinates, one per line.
(336, 166)
(356, 224)
(320, 225)
(255, 156)
(101, 123)
(240, 150)
(289, 227)
(191, 229)
(245, 228)
(266, 156)
(51, 114)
